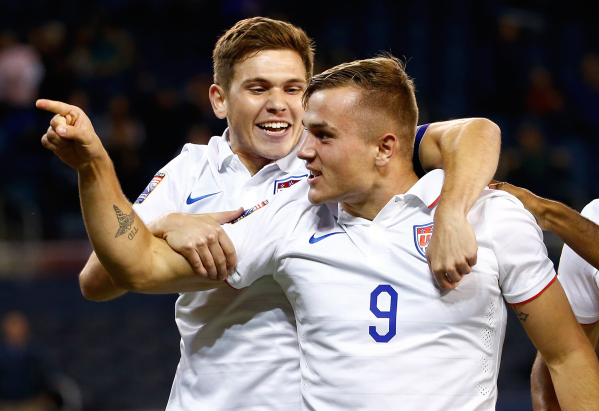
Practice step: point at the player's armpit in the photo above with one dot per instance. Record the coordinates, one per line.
(571, 360)
(95, 282)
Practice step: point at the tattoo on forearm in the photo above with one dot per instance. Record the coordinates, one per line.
(125, 221)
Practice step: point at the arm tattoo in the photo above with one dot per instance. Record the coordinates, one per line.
(521, 315)
(125, 221)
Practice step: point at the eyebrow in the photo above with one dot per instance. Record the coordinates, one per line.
(323, 125)
(263, 80)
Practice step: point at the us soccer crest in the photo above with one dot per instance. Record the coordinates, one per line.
(280, 185)
(422, 236)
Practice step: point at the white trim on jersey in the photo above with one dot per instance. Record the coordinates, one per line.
(580, 279)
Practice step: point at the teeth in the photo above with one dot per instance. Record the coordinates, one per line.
(275, 125)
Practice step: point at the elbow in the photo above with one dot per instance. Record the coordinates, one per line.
(487, 128)
(91, 290)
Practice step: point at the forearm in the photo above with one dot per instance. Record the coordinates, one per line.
(95, 282)
(578, 232)
(134, 258)
(542, 391)
(470, 154)
(576, 380)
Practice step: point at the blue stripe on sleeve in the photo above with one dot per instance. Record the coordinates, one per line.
(420, 131)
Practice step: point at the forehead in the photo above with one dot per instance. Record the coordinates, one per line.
(336, 107)
(271, 65)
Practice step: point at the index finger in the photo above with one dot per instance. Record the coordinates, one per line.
(229, 249)
(57, 107)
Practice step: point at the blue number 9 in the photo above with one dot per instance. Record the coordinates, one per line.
(391, 314)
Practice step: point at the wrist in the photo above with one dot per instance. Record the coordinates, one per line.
(96, 168)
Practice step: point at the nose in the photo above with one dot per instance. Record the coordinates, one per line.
(276, 102)
(306, 150)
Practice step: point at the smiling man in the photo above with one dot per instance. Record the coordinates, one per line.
(261, 70)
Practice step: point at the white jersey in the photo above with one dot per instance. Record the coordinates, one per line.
(580, 279)
(375, 331)
(239, 349)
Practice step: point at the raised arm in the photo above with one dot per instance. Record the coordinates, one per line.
(570, 359)
(134, 258)
(468, 151)
(581, 234)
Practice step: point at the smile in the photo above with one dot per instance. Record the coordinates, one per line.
(275, 127)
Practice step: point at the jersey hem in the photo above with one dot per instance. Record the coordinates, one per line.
(536, 296)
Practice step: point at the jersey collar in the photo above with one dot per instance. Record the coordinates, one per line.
(425, 192)
(427, 189)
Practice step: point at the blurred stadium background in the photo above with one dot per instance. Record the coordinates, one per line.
(141, 70)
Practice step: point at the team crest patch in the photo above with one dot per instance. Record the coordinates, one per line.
(250, 211)
(280, 185)
(153, 184)
(422, 236)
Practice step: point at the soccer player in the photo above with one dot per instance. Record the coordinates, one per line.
(374, 330)
(261, 68)
(578, 274)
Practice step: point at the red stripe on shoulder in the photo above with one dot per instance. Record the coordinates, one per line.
(590, 323)
(536, 296)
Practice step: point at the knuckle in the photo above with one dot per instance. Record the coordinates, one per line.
(211, 238)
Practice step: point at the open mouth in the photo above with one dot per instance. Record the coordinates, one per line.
(275, 127)
(314, 174)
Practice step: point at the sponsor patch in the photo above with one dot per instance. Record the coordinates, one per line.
(280, 185)
(153, 184)
(422, 236)
(250, 211)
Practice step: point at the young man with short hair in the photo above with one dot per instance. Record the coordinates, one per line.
(226, 333)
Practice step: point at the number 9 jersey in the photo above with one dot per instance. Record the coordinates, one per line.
(375, 331)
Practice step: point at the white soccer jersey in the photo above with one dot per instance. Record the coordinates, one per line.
(239, 349)
(375, 331)
(579, 278)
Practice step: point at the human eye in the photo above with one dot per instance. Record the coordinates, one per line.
(257, 89)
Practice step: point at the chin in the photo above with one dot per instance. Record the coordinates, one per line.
(317, 199)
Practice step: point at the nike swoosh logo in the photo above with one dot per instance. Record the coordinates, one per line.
(314, 240)
(193, 200)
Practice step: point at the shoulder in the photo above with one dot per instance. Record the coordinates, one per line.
(591, 211)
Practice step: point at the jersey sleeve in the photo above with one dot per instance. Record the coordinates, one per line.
(580, 279)
(164, 192)
(420, 132)
(525, 270)
(261, 230)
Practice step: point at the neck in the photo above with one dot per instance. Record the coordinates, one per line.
(388, 184)
(251, 162)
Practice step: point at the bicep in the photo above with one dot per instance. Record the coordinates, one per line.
(551, 324)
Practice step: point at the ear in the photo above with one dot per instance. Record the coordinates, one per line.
(386, 149)
(218, 99)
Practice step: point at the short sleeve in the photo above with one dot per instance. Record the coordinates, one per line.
(261, 230)
(525, 270)
(164, 192)
(420, 132)
(580, 279)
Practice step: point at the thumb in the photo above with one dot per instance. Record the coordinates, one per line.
(226, 216)
(72, 133)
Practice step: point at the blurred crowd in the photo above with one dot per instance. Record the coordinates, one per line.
(141, 71)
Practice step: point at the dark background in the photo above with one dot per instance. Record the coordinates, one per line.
(141, 70)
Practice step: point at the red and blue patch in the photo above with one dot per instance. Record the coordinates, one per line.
(250, 211)
(422, 236)
(153, 184)
(282, 184)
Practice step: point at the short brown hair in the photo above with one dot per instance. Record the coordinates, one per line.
(385, 87)
(250, 36)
